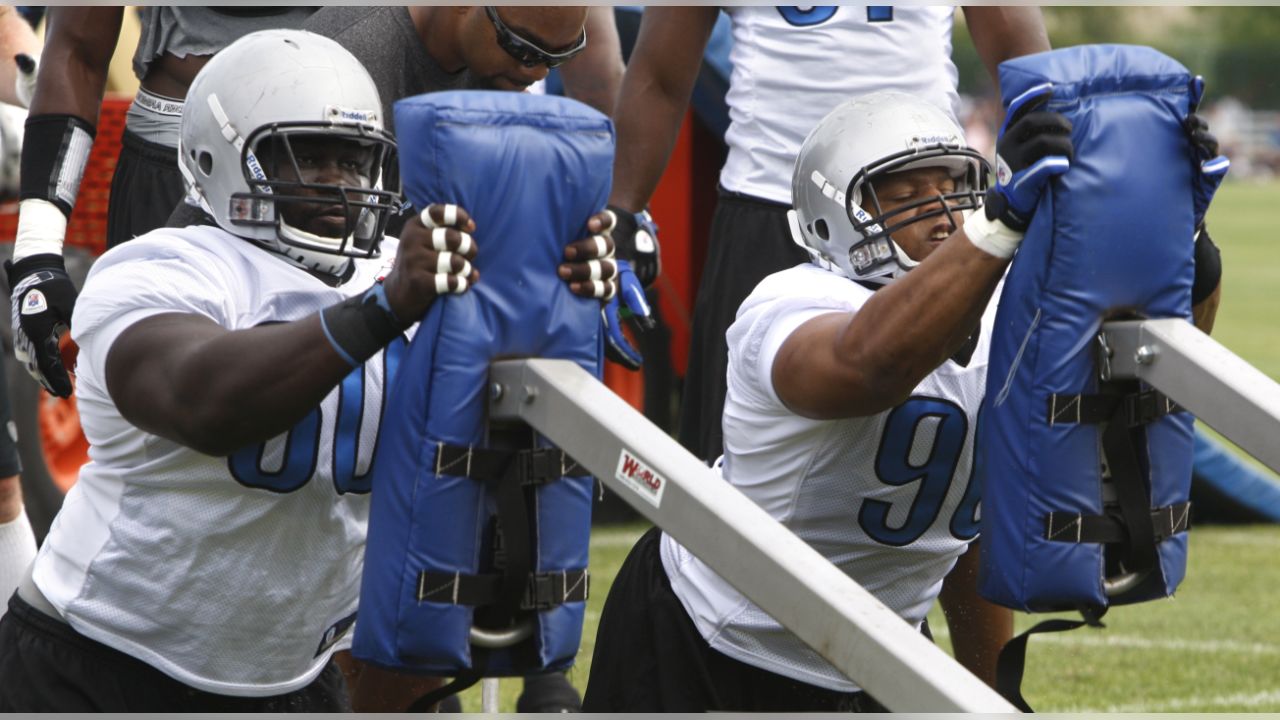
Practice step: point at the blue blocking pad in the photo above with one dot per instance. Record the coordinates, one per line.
(530, 170)
(1113, 237)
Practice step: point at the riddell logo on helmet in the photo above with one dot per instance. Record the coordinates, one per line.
(641, 478)
(926, 140)
(333, 112)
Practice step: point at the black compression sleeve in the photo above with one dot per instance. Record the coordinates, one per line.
(55, 151)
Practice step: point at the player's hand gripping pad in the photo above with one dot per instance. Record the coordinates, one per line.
(1113, 237)
(531, 170)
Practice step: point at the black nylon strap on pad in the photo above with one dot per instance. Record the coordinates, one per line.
(535, 465)
(542, 591)
(1013, 657)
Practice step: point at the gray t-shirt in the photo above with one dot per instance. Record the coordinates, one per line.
(385, 41)
(186, 30)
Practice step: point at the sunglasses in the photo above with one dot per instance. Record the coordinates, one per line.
(528, 53)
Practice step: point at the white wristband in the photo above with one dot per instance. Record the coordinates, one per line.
(991, 236)
(41, 229)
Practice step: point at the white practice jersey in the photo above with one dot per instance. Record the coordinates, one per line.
(236, 575)
(792, 66)
(886, 498)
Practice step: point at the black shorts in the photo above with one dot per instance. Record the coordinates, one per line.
(145, 189)
(45, 666)
(649, 657)
(750, 240)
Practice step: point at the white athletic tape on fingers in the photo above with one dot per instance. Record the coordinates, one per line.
(465, 272)
(612, 222)
(462, 285)
(442, 284)
(464, 245)
(444, 263)
(602, 247)
(598, 288)
(439, 239)
(611, 289)
(449, 211)
(594, 265)
(609, 269)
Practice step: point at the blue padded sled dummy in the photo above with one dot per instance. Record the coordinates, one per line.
(1112, 238)
(531, 170)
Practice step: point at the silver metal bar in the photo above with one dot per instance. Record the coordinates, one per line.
(1196, 371)
(770, 565)
(489, 696)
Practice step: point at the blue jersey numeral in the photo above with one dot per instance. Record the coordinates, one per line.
(879, 13)
(302, 445)
(806, 16)
(894, 466)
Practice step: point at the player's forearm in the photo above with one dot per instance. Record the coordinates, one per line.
(74, 63)
(1002, 32)
(655, 93)
(186, 379)
(909, 328)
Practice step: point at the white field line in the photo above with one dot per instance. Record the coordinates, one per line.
(1194, 702)
(1101, 639)
(1243, 537)
(613, 541)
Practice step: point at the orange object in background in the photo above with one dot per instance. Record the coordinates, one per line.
(682, 206)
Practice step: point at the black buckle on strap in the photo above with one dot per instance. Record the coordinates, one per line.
(1141, 408)
(542, 465)
(1133, 409)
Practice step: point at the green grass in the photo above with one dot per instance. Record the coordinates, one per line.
(1215, 646)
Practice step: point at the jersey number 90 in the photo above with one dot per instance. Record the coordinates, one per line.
(934, 476)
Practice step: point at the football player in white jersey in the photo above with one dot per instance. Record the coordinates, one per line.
(230, 381)
(854, 385)
(791, 66)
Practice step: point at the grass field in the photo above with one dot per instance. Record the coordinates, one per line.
(1211, 648)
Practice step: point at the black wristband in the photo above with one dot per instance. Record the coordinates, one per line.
(359, 327)
(55, 151)
(1208, 267)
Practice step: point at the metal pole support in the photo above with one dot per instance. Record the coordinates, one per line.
(770, 565)
(1197, 372)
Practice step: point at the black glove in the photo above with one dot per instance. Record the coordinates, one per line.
(1034, 146)
(42, 300)
(635, 237)
(1208, 167)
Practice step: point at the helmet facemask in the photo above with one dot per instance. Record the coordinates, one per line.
(877, 254)
(285, 167)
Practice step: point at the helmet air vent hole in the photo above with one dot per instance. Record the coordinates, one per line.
(206, 162)
(820, 226)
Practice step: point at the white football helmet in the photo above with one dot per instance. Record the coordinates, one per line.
(858, 141)
(245, 110)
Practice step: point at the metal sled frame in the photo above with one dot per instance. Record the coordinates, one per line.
(770, 565)
(1197, 372)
